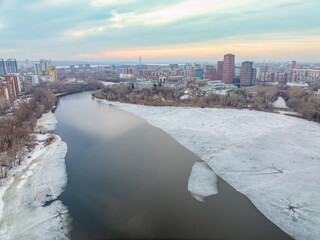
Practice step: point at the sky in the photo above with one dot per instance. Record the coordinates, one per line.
(160, 31)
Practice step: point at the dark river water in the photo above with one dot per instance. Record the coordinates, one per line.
(127, 179)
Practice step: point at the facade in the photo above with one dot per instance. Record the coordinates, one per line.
(8, 66)
(2, 67)
(284, 79)
(211, 73)
(3, 93)
(32, 79)
(52, 73)
(41, 67)
(9, 87)
(199, 73)
(248, 74)
(307, 75)
(228, 68)
(219, 70)
(49, 75)
(254, 77)
(45, 64)
(237, 72)
(11, 66)
(128, 71)
(264, 68)
(37, 68)
(192, 72)
(293, 65)
(277, 76)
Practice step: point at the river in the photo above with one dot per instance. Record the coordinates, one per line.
(127, 179)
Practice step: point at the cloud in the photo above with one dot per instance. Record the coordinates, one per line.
(169, 14)
(109, 28)
(71, 34)
(100, 3)
(43, 4)
(188, 9)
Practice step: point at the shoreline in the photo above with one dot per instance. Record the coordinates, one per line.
(282, 111)
(183, 106)
(18, 215)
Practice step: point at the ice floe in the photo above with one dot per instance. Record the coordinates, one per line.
(202, 181)
(271, 158)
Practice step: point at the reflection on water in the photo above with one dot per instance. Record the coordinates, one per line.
(127, 179)
(95, 119)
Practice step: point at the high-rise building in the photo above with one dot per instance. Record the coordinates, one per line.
(2, 87)
(219, 70)
(211, 73)
(237, 72)
(127, 70)
(248, 74)
(228, 68)
(284, 79)
(45, 64)
(293, 65)
(11, 66)
(37, 68)
(9, 87)
(27, 62)
(191, 72)
(2, 67)
(199, 73)
(254, 76)
(49, 75)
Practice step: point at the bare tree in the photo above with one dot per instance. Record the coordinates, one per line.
(4, 105)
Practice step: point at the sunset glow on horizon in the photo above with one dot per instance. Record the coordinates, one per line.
(182, 30)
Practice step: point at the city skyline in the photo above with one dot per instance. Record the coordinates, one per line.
(166, 31)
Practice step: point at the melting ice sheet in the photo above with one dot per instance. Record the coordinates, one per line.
(29, 206)
(202, 181)
(272, 159)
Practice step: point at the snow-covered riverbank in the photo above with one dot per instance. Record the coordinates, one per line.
(272, 159)
(29, 208)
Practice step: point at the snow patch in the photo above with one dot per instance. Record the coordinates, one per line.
(280, 103)
(108, 83)
(185, 96)
(47, 121)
